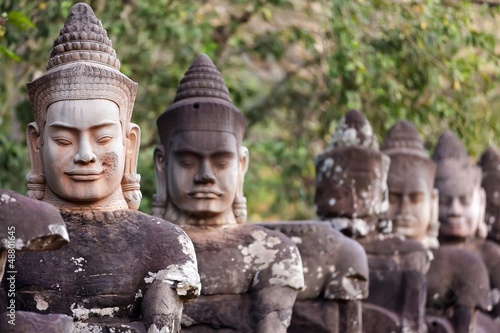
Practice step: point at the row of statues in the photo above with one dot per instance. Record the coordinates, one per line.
(402, 242)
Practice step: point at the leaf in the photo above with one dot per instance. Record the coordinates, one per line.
(9, 53)
(19, 20)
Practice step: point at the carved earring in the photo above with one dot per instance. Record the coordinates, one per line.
(240, 209)
(132, 190)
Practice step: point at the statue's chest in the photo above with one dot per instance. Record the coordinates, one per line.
(96, 268)
(225, 271)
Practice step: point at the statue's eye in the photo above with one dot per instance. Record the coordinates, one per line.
(104, 139)
(186, 163)
(465, 200)
(62, 142)
(222, 163)
(416, 197)
(394, 198)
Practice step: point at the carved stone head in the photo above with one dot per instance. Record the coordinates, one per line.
(351, 175)
(413, 201)
(200, 164)
(490, 164)
(82, 145)
(461, 198)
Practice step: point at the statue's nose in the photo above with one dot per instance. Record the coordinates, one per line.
(205, 174)
(84, 154)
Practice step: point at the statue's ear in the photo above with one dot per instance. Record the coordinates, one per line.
(160, 198)
(482, 227)
(430, 240)
(133, 143)
(131, 179)
(434, 205)
(244, 160)
(35, 179)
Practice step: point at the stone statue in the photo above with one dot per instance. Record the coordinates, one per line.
(413, 209)
(250, 275)
(27, 225)
(351, 194)
(490, 165)
(123, 270)
(462, 205)
(413, 201)
(336, 278)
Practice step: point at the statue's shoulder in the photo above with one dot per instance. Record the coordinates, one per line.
(462, 272)
(490, 250)
(391, 244)
(275, 257)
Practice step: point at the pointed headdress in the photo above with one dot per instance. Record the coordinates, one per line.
(408, 157)
(82, 65)
(202, 103)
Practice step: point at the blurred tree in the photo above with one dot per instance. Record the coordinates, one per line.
(292, 67)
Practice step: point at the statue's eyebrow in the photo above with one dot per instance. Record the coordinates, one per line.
(62, 125)
(216, 152)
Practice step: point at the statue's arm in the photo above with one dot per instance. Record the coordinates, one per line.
(272, 308)
(167, 289)
(162, 307)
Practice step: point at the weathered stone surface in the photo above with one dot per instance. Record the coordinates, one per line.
(351, 193)
(490, 165)
(104, 273)
(25, 322)
(123, 270)
(250, 275)
(336, 278)
(379, 319)
(35, 225)
(462, 207)
(413, 201)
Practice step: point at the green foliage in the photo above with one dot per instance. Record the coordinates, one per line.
(293, 68)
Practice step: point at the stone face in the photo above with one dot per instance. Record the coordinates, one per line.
(461, 199)
(490, 165)
(413, 202)
(351, 194)
(462, 207)
(123, 270)
(250, 275)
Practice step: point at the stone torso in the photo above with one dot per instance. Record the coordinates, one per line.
(489, 251)
(102, 275)
(335, 274)
(393, 262)
(233, 262)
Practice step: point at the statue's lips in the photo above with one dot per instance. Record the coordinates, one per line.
(405, 222)
(205, 194)
(454, 221)
(85, 175)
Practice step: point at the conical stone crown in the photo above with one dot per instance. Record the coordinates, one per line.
(403, 137)
(82, 39)
(490, 159)
(202, 103)
(353, 130)
(449, 146)
(202, 79)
